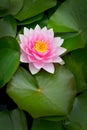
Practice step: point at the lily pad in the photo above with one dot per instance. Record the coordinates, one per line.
(34, 7)
(78, 116)
(71, 17)
(8, 26)
(77, 63)
(44, 94)
(13, 120)
(46, 125)
(9, 58)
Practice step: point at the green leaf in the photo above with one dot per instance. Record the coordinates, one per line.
(44, 94)
(71, 17)
(4, 4)
(8, 26)
(43, 22)
(5, 122)
(31, 20)
(10, 7)
(9, 58)
(13, 120)
(15, 6)
(18, 120)
(77, 63)
(78, 117)
(34, 7)
(54, 118)
(72, 41)
(46, 125)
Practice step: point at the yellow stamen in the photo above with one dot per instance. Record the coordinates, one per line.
(41, 46)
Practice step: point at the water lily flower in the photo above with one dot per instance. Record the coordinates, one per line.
(41, 49)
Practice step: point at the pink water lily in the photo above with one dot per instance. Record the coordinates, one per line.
(41, 49)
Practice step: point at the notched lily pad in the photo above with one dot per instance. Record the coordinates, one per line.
(44, 94)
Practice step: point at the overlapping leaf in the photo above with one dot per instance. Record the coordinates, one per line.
(46, 125)
(4, 6)
(71, 17)
(15, 6)
(13, 120)
(9, 58)
(8, 26)
(77, 63)
(33, 7)
(78, 117)
(31, 20)
(10, 7)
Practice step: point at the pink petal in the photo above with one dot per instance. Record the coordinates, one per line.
(26, 31)
(31, 34)
(44, 29)
(62, 62)
(37, 28)
(37, 57)
(58, 60)
(61, 50)
(23, 39)
(49, 68)
(31, 58)
(23, 47)
(38, 65)
(24, 58)
(33, 69)
(47, 60)
(51, 32)
(58, 41)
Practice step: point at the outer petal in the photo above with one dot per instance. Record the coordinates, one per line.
(62, 62)
(61, 50)
(49, 68)
(32, 69)
(37, 28)
(48, 32)
(24, 58)
(23, 39)
(38, 65)
(26, 31)
(44, 29)
(58, 60)
(58, 41)
(51, 32)
(31, 34)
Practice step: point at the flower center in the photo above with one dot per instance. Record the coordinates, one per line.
(41, 46)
